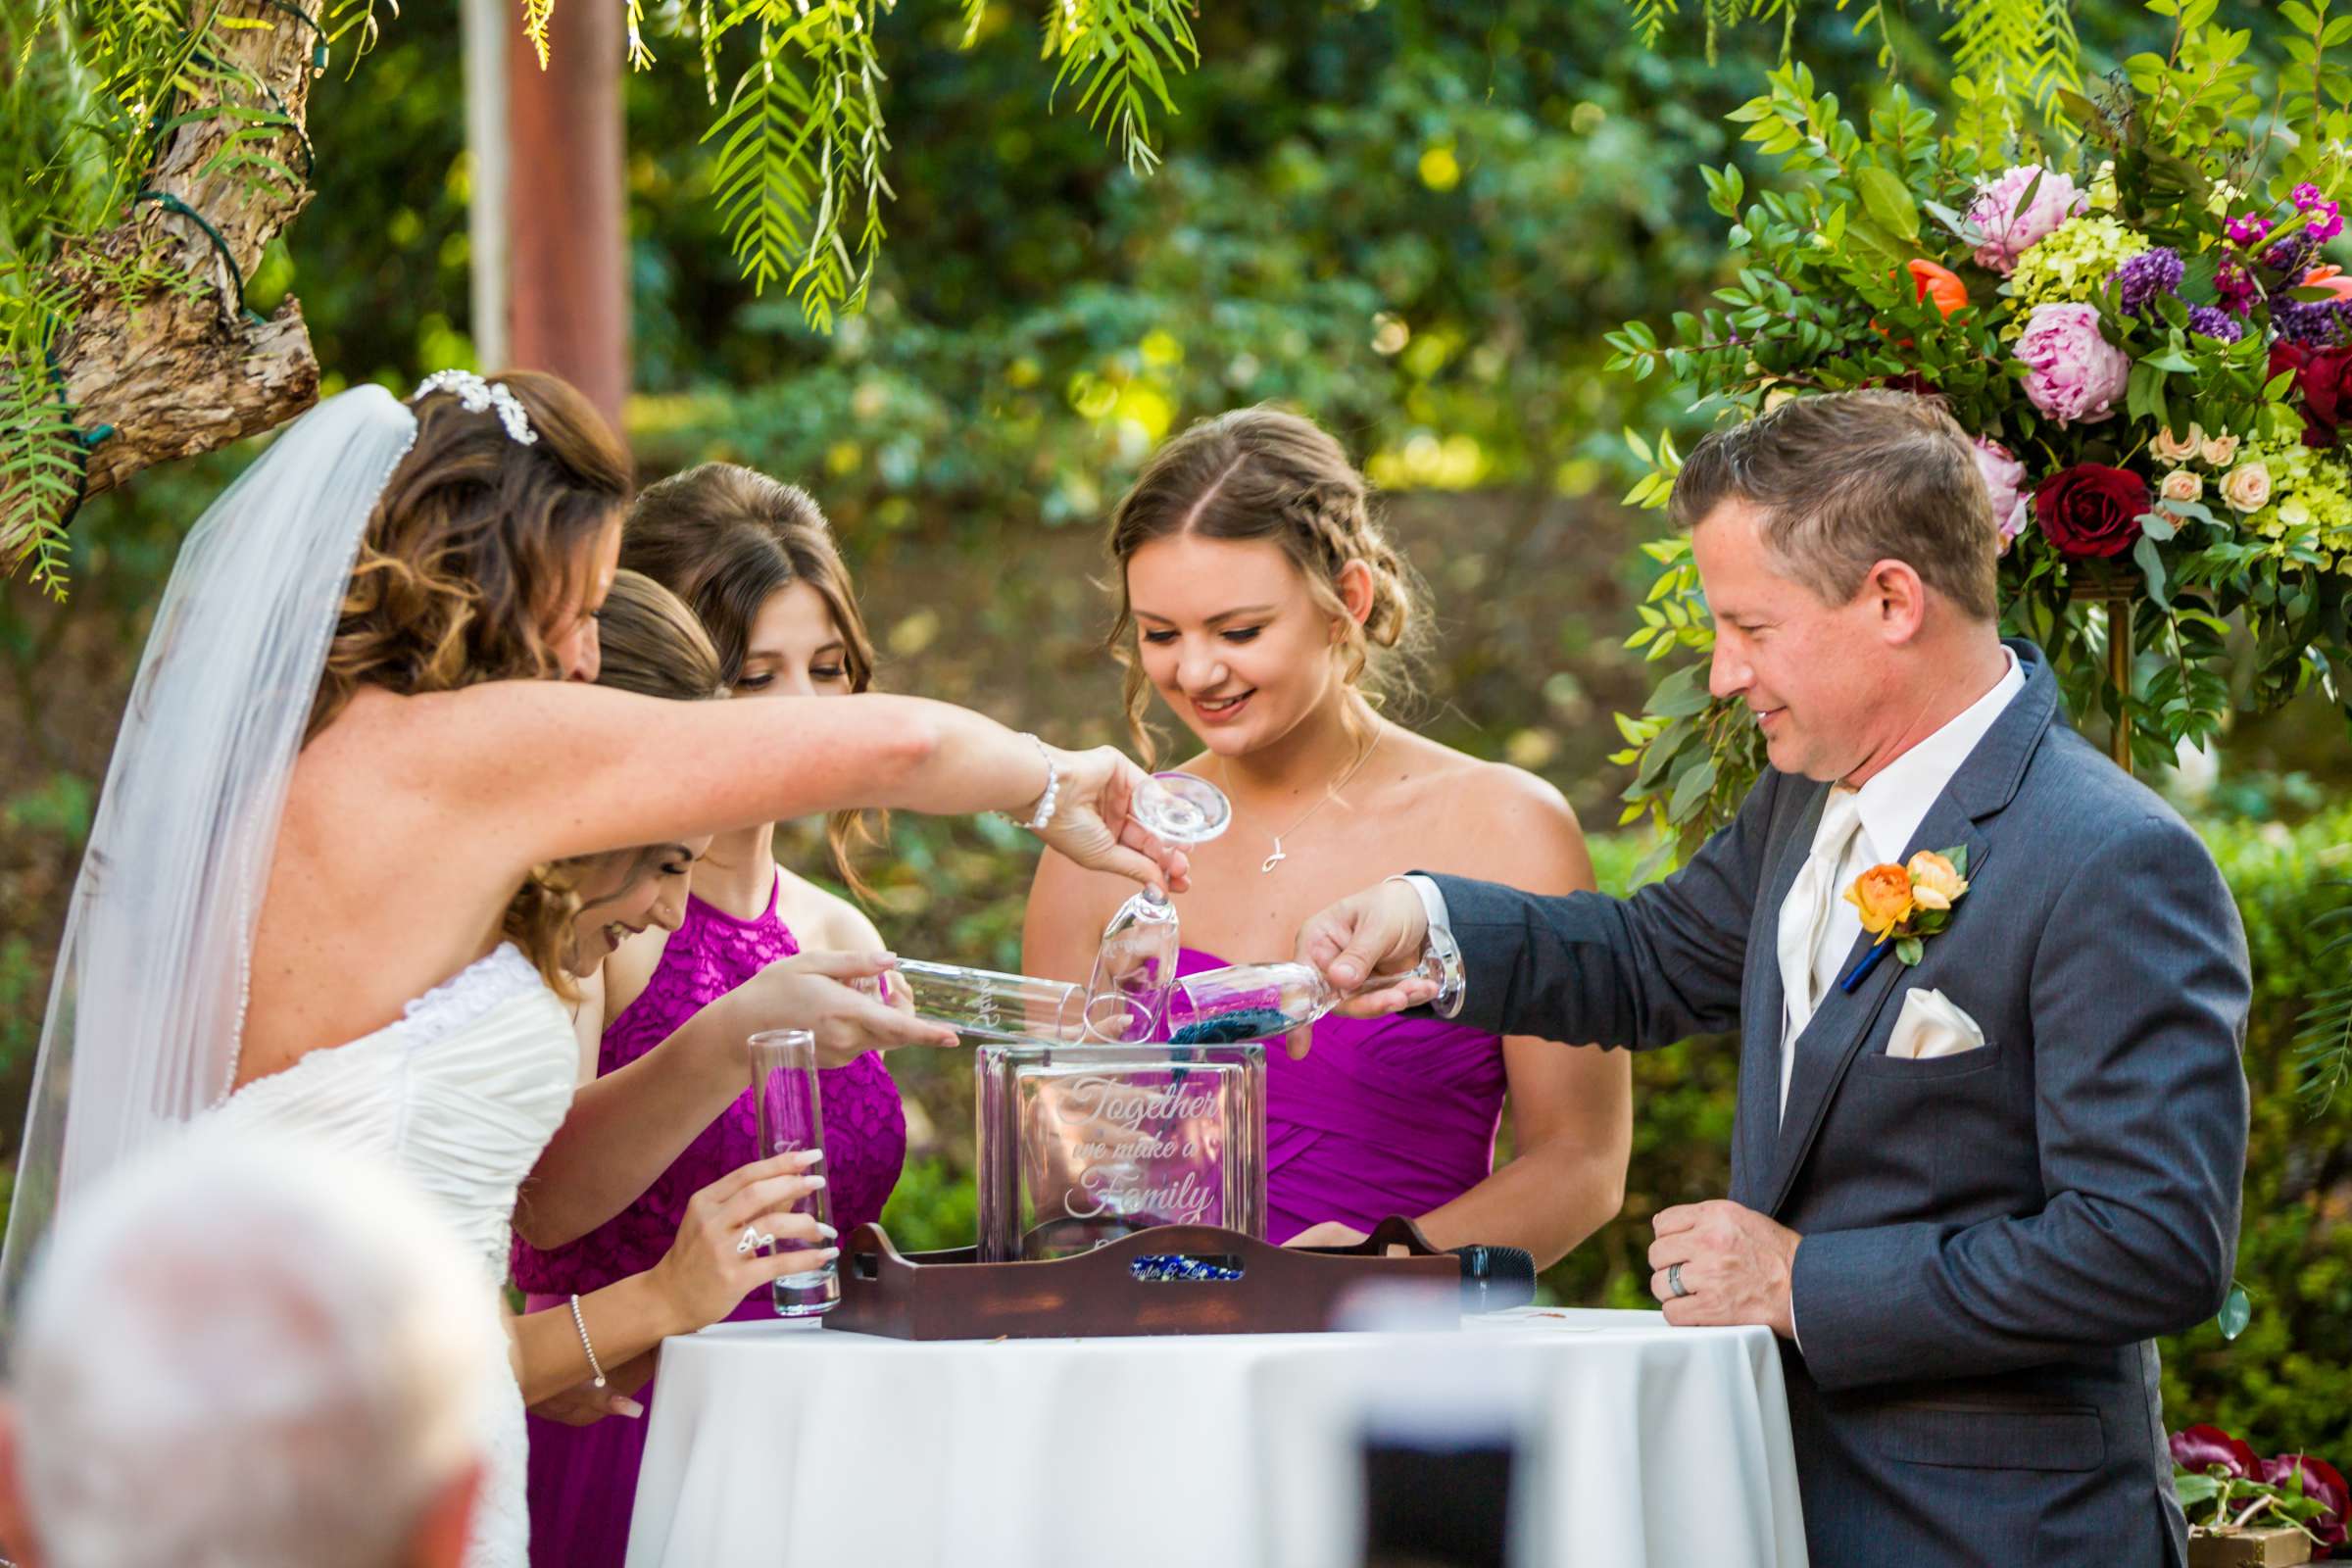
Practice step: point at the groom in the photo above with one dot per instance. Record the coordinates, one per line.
(1966, 1191)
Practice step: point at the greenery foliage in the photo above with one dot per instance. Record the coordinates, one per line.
(1406, 220)
(1881, 258)
(2285, 1382)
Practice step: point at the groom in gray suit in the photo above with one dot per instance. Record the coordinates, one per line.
(1966, 1191)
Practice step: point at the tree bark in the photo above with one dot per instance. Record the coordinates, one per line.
(177, 363)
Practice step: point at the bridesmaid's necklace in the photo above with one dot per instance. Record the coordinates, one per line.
(1330, 795)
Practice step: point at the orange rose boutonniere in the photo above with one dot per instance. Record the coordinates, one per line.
(1902, 905)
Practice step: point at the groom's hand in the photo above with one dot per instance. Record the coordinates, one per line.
(1735, 1265)
(1378, 931)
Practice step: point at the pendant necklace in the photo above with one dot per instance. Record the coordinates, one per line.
(1281, 855)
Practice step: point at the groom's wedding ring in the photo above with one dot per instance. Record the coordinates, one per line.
(1674, 1281)
(753, 1237)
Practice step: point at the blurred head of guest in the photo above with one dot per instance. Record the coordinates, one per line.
(251, 1352)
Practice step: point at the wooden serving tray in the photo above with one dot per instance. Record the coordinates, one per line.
(952, 1295)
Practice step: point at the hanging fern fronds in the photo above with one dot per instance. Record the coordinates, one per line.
(764, 178)
(1647, 19)
(535, 17)
(800, 167)
(2011, 60)
(1120, 53)
(641, 58)
(2324, 1037)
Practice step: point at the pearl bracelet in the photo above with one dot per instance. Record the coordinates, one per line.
(581, 1323)
(1044, 816)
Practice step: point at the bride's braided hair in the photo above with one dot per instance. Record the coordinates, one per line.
(1263, 474)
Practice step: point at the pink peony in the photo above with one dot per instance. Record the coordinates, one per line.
(2071, 374)
(2009, 232)
(2004, 479)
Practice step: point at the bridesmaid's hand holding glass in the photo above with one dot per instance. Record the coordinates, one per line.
(812, 991)
(725, 1244)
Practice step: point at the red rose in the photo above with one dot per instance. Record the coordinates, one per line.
(2323, 382)
(2092, 509)
(2199, 1448)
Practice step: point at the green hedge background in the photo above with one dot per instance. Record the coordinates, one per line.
(1411, 219)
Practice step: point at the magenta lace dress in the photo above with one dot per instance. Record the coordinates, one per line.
(583, 1480)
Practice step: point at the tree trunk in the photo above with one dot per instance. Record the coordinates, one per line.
(174, 361)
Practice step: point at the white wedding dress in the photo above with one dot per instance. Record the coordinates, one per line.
(461, 1092)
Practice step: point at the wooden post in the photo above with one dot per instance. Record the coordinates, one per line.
(568, 227)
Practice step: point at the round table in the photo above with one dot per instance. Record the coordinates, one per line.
(781, 1444)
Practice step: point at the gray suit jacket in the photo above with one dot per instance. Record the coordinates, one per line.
(1991, 1239)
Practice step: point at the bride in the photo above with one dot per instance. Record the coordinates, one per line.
(341, 758)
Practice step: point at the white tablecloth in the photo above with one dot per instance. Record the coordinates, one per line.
(781, 1444)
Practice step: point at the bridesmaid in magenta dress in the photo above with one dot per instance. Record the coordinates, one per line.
(753, 560)
(1262, 602)
(583, 1478)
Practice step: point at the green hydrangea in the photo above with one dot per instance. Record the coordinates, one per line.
(2310, 504)
(2072, 262)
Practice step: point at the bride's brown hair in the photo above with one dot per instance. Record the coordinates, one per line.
(1262, 473)
(474, 539)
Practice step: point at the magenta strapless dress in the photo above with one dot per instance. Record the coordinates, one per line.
(1386, 1116)
(583, 1480)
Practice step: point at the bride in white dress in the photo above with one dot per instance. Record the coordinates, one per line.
(342, 756)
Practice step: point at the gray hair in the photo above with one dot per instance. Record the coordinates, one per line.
(249, 1352)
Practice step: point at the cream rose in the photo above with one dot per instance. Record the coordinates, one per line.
(2182, 486)
(2171, 448)
(2219, 451)
(2248, 487)
(1935, 881)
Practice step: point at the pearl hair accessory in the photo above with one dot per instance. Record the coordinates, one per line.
(481, 397)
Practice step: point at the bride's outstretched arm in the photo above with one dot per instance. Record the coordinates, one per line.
(573, 769)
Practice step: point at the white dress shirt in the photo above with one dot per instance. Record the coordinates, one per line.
(1893, 803)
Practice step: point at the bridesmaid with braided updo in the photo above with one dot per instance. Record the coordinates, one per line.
(1264, 605)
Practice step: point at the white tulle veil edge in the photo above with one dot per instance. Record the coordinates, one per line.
(148, 1000)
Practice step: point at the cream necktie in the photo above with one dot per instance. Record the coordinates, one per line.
(1805, 913)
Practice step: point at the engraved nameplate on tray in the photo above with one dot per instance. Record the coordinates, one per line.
(1082, 1145)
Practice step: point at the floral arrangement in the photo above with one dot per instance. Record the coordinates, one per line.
(1905, 904)
(2299, 1491)
(2135, 318)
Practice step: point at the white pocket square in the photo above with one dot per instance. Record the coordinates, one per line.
(1931, 1026)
